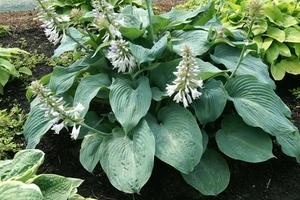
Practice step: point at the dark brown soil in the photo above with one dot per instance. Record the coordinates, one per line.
(276, 179)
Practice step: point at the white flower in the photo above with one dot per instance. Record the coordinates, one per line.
(120, 56)
(75, 132)
(57, 127)
(186, 83)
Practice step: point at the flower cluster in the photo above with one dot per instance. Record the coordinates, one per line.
(187, 82)
(50, 21)
(119, 53)
(105, 18)
(120, 56)
(55, 108)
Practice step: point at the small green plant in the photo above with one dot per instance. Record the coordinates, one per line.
(7, 69)
(296, 92)
(4, 31)
(11, 124)
(18, 180)
(66, 59)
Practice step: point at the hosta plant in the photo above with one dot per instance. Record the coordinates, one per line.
(18, 180)
(7, 69)
(276, 32)
(174, 86)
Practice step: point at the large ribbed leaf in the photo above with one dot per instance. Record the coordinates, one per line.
(181, 16)
(89, 152)
(211, 103)
(195, 39)
(55, 186)
(229, 56)
(242, 142)
(259, 106)
(13, 190)
(178, 139)
(211, 176)
(130, 103)
(128, 161)
(88, 89)
(62, 78)
(36, 125)
(23, 166)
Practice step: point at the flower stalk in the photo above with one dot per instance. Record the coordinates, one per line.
(61, 115)
(187, 83)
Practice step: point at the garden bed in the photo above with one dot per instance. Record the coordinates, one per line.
(276, 179)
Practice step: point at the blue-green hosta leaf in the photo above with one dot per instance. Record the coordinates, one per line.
(195, 39)
(229, 57)
(207, 70)
(23, 166)
(159, 23)
(179, 16)
(259, 106)
(128, 103)
(210, 105)
(138, 13)
(178, 138)
(10, 190)
(69, 44)
(142, 54)
(131, 32)
(88, 89)
(128, 161)
(242, 142)
(62, 78)
(211, 176)
(89, 152)
(36, 125)
(55, 186)
(290, 144)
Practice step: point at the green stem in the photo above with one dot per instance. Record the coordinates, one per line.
(149, 9)
(243, 52)
(93, 129)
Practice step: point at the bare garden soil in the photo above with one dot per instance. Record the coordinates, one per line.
(276, 179)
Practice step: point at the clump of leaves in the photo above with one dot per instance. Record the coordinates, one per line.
(66, 59)
(11, 124)
(18, 179)
(276, 33)
(4, 30)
